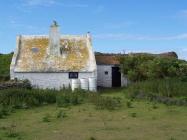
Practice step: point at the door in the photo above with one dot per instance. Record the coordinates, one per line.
(116, 77)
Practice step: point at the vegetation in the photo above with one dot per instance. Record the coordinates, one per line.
(167, 91)
(145, 67)
(84, 121)
(5, 60)
(27, 113)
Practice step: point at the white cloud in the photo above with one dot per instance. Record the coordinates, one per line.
(139, 37)
(39, 2)
(46, 3)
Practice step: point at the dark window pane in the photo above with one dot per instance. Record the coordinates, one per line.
(73, 75)
(106, 72)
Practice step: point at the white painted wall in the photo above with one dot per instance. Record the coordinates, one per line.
(104, 80)
(50, 80)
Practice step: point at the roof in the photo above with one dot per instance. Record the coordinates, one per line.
(106, 59)
(32, 54)
(113, 58)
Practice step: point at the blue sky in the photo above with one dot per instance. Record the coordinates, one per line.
(116, 25)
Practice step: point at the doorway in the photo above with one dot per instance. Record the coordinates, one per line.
(116, 77)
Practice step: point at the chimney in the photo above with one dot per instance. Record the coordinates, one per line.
(54, 39)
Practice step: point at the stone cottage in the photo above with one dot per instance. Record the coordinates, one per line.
(108, 71)
(51, 61)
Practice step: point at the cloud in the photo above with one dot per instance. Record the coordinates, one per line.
(119, 36)
(39, 2)
(47, 3)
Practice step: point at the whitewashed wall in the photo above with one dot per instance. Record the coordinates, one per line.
(104, 80)
(50, 80)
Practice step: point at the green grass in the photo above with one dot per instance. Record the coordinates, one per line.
(142, 121)
(5, 60)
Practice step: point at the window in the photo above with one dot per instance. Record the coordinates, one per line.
(106, 72)
(73, 75)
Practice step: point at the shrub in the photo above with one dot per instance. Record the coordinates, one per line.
(23, 98)
(144, 67)
(5, 111)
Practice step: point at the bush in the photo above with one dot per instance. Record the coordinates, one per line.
(24, 98)
(145, 67)
(5, 60)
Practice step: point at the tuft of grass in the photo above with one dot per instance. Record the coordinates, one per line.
(92, 138)
(11, 131)
(109, 103)
(46, 118)
(61, 114)
(129, 104)
(134, 115)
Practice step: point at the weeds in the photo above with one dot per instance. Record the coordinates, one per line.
(168, 91)
(134, 115)
(92, 138)
(110, 103)
(61, 114)
(129, 104)
(46, 118)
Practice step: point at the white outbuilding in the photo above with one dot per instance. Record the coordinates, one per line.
(108, 71)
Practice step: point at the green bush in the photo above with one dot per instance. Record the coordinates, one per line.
(24, 98)
(145, 67)
(5, 61)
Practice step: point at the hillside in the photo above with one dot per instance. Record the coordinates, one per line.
(5, 60)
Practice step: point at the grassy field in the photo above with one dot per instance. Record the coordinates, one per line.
(139, 120)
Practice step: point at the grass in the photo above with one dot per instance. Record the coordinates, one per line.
(143, 121)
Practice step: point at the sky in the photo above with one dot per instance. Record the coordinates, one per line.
(116, 26)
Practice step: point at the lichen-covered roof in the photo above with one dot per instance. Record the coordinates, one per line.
(107, 59)
(33, 55)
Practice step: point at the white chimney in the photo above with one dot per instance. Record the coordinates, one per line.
(54, 39)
